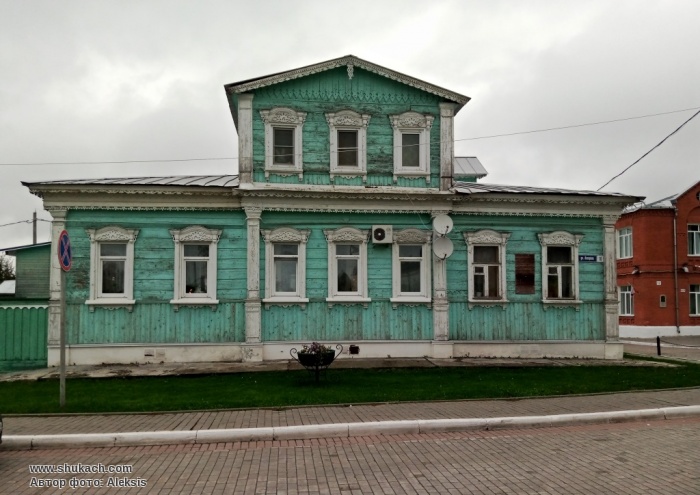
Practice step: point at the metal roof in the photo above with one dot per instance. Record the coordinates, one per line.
(477, 188)
(10, 250)
(174, 180)
(661, 204)
(468, 166)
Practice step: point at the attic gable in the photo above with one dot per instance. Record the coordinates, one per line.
(350, 62)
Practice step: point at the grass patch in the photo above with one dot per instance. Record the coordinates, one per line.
(294, 388)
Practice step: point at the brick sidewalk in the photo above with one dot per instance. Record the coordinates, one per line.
(256, 418)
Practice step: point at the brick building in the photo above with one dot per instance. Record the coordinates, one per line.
(658, 266)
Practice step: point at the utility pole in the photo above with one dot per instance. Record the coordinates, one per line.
(34, 228)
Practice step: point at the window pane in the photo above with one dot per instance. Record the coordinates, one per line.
(410, 150)
(406, 251)
(286, 249)
(113, 249)
(285, 275)
(113, 277)
(486, 254)
(493, 281)
(553, 285)
(197, 250)
(695, 299)
(347, 275)
(479, 283)
(567, 282)
(283, 147)
(558, 254)
(347, 249)
(410, 276)
(347, 148)
(196, 277)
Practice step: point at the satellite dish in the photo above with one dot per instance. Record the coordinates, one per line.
(442, 247)
(442, 224)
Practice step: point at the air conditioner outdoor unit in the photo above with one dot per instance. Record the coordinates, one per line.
(382, 234)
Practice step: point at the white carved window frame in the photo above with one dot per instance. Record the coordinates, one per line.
(348, 120)
(195, 234)
(283, 118)
(414, 237)
(560, 238)
(487, 237)
(344, 236)
(412, 123)
(285, 235)
(111, 235)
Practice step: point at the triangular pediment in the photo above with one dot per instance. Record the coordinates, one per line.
(350, 62)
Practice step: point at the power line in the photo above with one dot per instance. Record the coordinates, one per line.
(25, 221)
(549, 129)
(645, 154)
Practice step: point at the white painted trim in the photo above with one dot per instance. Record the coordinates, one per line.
(412, 123)
(414, 237)
(447, 153)
(195, 234)
(649, 332)
(351, 121)
(487, 237)
(285, 235)
(111, 235)
(245, 138)
(283, 118)
(560, 238)
(347, 235)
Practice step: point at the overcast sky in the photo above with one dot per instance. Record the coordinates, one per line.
(124, 80)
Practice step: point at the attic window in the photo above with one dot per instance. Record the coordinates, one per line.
(348, 143)
(412, 145)
(283, 141)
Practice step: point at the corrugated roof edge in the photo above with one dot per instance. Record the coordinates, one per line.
(481, 188)
(173, 180)
(26, 246)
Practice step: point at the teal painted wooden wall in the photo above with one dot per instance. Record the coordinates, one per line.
(153, 319)
(332, 91)
(33, 266)
(344, 322)
(23, 333)
(524, 317)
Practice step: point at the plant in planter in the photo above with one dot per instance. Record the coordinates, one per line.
(315, 356)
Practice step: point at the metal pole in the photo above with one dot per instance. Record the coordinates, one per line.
(658, 346)
(62, 373)
(34, 227)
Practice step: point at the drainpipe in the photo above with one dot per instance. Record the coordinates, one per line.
(675, 263)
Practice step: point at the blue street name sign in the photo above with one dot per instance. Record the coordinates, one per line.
(590, 258)
(65, 255)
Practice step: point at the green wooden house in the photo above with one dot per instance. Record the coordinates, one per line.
(24, 310)
(350, 221)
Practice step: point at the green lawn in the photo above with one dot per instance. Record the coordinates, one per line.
(292, 388)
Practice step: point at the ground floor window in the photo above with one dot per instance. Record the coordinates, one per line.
(626, 300)
(695, 300)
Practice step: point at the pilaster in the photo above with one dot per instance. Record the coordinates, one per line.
(441, 307)
(58, 225)
(253, 306)
(447, 112)
(245, 138)
(612, 320)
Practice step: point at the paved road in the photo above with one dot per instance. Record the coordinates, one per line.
(626, 458)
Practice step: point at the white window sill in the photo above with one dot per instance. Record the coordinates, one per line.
(348, 300)
(487, 303)
(194, 301)
(412, 174)
(284, 170)
(411, 300)
(562, 303)
(286, 301)
(111, 303)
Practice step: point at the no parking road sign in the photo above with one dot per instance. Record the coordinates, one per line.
(65, 255)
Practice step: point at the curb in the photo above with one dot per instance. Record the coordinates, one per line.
(336, 430)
